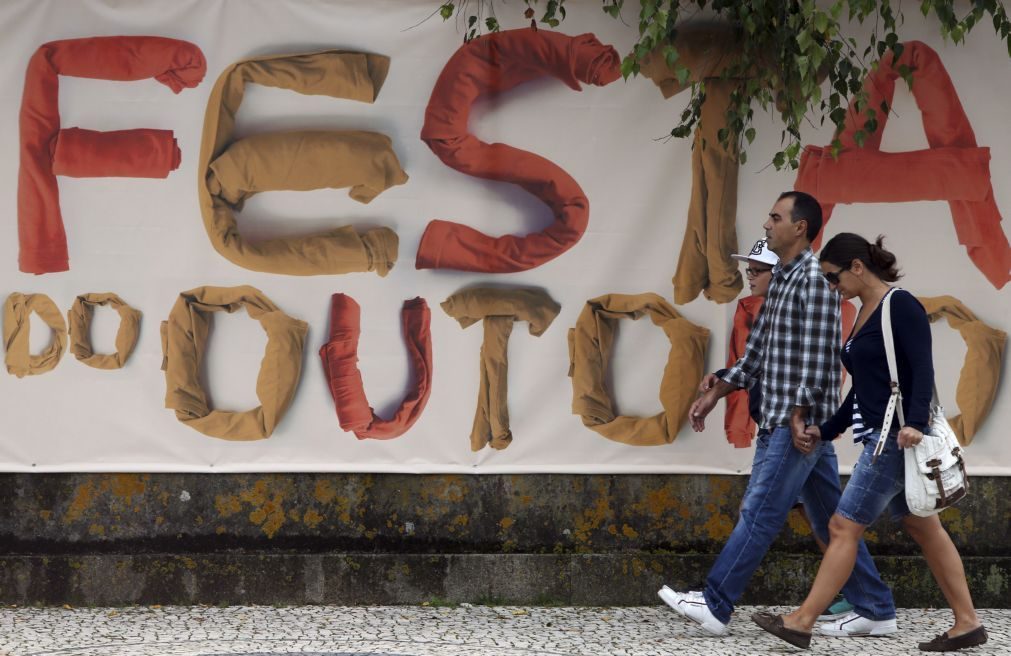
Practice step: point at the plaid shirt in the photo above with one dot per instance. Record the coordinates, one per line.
(794, 345)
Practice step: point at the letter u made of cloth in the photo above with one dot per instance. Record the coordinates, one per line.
(984, 358)
(79, 323)
(232, 170)
(340, 363)
(590, 345)
(46, 151)
(704, 263)
(487, 66)
(184, 339)
(954, 168)
(17, 329)
(498, 309)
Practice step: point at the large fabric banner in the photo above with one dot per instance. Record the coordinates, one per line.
(249, 235)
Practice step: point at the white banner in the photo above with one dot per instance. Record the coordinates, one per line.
(144, 240)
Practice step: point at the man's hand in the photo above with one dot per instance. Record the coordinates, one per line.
(707, 383)
(909, 436)
(702, 407)
(812, 434)
(798, 428)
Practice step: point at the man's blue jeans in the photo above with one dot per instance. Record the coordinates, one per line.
(780, 474)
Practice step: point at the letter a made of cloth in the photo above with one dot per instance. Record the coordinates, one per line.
(590, 344)
(233, 170)
(17, 329)
(704, 264)
(954, 168)
(498, 309)
(340, 362)
(46, 151)
(184, 338)
(486, 66)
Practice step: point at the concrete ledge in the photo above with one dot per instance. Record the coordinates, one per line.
(371, 579)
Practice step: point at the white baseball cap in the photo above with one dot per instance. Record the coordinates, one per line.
(760, 253)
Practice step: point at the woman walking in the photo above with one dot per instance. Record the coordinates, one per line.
(857, 268)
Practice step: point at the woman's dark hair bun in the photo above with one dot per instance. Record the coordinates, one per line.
(845, 247)
(882, 261)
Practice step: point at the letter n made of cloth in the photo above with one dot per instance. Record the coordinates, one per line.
(498, 309)
(590, 344)
(953, 169)
(487, 66)
(184, 339)
(340, 362)
(232, 170)
(48, 151)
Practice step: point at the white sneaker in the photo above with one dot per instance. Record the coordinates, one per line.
(855, 625)
(693, 606)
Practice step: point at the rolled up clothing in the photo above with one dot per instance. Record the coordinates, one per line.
(140, 153)
(17, 330)
(79, 329)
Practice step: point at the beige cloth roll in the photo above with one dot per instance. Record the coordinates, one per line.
(184, 338)
(233, 170)
(17, 329)
(498, 309)
(79, 324)
(984, 357)
(590, 344)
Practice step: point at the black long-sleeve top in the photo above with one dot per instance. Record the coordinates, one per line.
(866, 363)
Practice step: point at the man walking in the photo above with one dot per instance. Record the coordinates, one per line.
(793, 350)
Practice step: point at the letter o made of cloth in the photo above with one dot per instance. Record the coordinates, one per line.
(17, 329)
(590, 344)
(980, 375)
(184, 337)
(233, 170)
(79, 323)
(487, 66)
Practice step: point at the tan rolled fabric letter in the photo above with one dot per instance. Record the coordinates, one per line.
(498, 309)
(984, 357)
(79, 324)
(184, 337)
(704, 264)
(590, 344)
(233, 170)
(17, 329)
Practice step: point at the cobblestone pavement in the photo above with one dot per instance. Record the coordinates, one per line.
(424, 631)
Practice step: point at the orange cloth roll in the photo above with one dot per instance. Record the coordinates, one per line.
(487, 66)
(141, 153)
(176, 64)
(340, 362)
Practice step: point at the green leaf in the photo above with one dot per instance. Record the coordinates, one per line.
(682, 74)
(749, 134)
(446, 11)
(821, 22)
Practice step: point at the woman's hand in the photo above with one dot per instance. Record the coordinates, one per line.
(806, 441)
(909, 436)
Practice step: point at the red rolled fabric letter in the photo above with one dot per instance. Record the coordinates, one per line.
(141, 153)
(340, 362)
(176, 64)
(490, 65)
(954, 168)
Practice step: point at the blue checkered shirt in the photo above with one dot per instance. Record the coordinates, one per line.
(793, 347)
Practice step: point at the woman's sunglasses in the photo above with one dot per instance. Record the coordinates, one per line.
(833, 276)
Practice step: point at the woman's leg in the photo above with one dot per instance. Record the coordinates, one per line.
(946, 566)
(835, 568)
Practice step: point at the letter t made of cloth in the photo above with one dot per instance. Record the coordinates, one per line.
(498, 309)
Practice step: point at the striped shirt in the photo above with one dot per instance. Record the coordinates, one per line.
(860, 431)
(793, 348)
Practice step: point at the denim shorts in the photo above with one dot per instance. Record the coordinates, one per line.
(878, 486)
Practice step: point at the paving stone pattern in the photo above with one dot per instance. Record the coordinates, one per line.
(427, 631)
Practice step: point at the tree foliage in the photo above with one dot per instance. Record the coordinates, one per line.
(789, 49)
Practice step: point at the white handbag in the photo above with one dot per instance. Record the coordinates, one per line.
(935, 468)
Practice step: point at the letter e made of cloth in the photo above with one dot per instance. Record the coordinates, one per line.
(47, 151)
(184, 339)
(488, 66)
(340, 363)
(497, 310)
(953, 169)
(590, 344)
(233, 170)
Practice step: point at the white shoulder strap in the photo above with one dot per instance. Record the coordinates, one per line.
(895, 400)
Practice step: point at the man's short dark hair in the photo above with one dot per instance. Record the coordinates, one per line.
(806, 207)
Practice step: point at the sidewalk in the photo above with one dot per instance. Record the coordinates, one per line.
(425, 631)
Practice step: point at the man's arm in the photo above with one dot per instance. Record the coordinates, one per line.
(819, 341)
